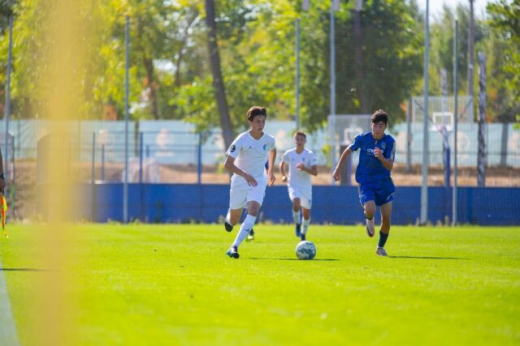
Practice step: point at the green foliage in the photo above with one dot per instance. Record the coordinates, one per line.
(392, 59)
(170, 77)
(505, 20)
(195, 101)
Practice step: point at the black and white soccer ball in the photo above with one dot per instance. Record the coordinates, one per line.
(305, 250)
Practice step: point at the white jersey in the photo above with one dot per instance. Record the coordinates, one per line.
(299, 179)
(251, 154)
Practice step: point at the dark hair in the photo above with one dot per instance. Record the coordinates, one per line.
(379, 116)
(254, 111)
(300, 133)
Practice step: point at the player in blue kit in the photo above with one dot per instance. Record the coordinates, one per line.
(376, 188)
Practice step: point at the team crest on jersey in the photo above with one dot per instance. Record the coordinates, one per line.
(265, 146)
(233, 148)
(383, 145)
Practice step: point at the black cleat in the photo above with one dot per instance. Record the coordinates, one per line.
(302, 237)
(227, 226)
(297, 230)
(251, 235)
(233, 252)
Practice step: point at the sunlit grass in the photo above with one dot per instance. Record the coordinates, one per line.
(173, 284)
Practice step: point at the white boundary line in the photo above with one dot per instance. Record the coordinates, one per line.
(8, 335)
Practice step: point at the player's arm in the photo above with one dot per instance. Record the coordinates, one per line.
(388, 163)
(312, 171)
(230, 166)
(270, 175)
(282, 170)
(342, 159)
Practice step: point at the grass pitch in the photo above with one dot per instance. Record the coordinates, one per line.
(173, 285)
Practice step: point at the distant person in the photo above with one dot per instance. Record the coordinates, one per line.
(246, 159)
(376, 188)
(302, 164)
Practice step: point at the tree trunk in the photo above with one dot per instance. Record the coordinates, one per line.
(148, 66)
(218, 82)
(359, 58)
(152, 86)
(481, 160)
(471, 50)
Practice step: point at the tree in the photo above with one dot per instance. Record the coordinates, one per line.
(391, 58)
(218, 82)
(505, 19)
(442, 37)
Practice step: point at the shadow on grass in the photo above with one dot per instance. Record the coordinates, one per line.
(23, 270)
(428, 258)
(294, 259)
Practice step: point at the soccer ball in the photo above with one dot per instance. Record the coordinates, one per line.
(305, 250)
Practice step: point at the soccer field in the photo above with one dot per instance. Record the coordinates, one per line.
(174, 285)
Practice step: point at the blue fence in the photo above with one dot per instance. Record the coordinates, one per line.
(178, 203)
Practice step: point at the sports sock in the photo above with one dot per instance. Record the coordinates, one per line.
(382, 239)
(228, 216)
(306, 224)
(248, 223)
(296, 217)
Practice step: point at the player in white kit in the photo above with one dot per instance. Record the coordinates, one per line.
(246, 159)
(302, 164)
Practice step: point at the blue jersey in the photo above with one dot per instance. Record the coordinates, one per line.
(370, 169)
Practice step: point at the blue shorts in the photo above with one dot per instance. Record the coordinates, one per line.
(379, 191)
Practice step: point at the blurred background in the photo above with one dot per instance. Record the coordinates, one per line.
(167, 84)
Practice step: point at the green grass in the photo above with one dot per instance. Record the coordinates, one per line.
(173, 285)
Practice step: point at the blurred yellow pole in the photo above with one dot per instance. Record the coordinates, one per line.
(63, 62)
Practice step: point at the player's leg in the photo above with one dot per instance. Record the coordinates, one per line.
(294, 195)
(366, 198)
(251, 235)
(237, 201)
(386, 215)
(306, 222)
(370, 210)
(306, 203)
(232, 218)
(384, 197)
(255, 195)
(253, 209)
(296, 206)
(254, 198)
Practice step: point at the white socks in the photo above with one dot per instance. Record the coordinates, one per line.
(297, 217)
(305, 227)
(228, 217)
(248, 223)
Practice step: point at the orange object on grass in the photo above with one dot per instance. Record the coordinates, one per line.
(3, 211)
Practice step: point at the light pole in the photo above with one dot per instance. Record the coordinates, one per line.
(425, 162)
(455, 123)
(297, 115)
(127, 88)
(8, 103)
(334, 6)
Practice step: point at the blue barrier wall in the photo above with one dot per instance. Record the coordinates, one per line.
(179, 203)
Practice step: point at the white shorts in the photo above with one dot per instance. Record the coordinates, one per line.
(241, 192)
(305, 196)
